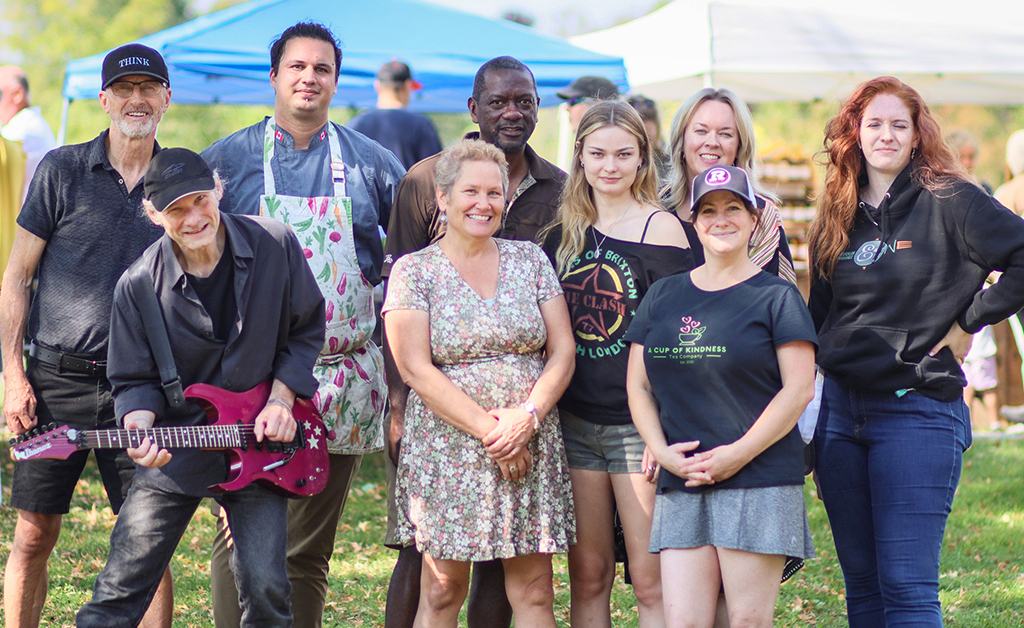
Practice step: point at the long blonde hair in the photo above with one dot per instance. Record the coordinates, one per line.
(680, 178)
(576, 210)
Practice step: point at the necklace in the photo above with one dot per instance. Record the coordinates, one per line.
(597, 252)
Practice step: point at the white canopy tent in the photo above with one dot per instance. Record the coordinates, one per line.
(807, 50)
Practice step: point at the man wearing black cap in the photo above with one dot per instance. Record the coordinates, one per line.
(241, 307)
(584, 92)
(81, 226)
(409, 135)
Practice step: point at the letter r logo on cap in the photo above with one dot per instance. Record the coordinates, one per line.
(717, 176)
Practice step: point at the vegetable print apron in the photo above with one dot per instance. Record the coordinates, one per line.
(350, 368)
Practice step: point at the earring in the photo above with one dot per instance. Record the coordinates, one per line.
(913, 152)
(443, 218)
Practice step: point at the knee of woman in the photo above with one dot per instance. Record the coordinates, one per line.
(538, 592)
(750, 618)
(444, 592)
(646, 589)
(590, 573)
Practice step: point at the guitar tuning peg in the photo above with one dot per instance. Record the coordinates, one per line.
(51, 427)
(12, 442)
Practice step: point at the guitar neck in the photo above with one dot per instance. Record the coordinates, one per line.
(185, 436)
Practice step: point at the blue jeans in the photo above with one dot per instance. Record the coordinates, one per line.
(887, 469)
(147, 532)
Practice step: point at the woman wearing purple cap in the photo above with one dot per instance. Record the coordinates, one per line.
(721, 366)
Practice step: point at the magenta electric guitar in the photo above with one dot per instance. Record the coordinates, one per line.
(295, 469)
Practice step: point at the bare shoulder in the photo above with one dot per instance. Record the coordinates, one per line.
(665, 229)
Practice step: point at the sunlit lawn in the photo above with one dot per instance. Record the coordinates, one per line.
(982, 583)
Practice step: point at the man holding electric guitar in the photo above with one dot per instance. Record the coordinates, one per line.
(241, 311)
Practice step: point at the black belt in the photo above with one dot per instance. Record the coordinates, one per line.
(65, 362)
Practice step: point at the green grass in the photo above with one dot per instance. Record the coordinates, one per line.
(982, 584)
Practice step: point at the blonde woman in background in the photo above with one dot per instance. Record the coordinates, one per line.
(714, 128)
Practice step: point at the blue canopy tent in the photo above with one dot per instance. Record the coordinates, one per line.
(223, 58)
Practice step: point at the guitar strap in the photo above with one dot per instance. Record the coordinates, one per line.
(156, 331)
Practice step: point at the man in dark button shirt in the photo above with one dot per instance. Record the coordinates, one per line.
(82, 198)
(241, 307)
(504, 105)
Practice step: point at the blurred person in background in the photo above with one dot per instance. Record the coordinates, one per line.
(1011, 193)
(582, 93)
(21, 122)
(409, 135)
(648, 111)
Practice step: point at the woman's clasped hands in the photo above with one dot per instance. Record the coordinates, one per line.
(506, 442)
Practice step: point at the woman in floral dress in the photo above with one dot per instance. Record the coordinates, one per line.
(480, 332)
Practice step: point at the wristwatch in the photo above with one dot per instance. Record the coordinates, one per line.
(531, 407)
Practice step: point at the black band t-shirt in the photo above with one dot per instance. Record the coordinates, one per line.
(603, 293)
(711, 361)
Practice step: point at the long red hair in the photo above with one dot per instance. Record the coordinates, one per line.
(935, 166)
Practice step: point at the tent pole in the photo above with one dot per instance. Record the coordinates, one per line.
(63, 121)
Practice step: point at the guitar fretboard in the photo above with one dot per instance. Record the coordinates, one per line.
(202, 436)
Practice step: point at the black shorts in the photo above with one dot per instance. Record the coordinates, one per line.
(46, 486)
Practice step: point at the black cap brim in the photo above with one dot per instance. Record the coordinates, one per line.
(180, 189)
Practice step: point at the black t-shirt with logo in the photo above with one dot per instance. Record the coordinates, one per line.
(711, 361)
(603, 295)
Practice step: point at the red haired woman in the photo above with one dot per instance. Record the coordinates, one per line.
(900, 247)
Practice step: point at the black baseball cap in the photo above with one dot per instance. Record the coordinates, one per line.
(596, 87)
(397, 72)
(174, 173)
(728, 178)
(134, 59)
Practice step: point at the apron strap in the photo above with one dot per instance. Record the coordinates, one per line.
(337, 164)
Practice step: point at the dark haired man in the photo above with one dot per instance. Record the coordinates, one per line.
(335, 188)
(504, 106)
(81, 197)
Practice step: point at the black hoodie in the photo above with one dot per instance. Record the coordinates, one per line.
(915, 265)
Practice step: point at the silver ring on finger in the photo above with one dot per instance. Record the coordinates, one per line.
(513, 468)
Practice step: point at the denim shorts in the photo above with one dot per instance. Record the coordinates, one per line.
(611, 448)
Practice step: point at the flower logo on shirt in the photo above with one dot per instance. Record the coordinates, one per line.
(690, 332)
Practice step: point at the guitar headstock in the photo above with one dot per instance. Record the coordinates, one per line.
(48, 441)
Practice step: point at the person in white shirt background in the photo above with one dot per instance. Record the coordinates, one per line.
(21, 122)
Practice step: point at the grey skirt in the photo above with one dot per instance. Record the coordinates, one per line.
(769, 520)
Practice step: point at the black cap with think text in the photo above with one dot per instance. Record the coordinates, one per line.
(174, 173)
(134, 59)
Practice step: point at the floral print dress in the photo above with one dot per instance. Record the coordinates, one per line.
(453, 501)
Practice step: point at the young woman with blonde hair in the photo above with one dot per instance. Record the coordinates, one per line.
(611, 240)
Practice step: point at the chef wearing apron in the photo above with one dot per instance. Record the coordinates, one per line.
(333, 187)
